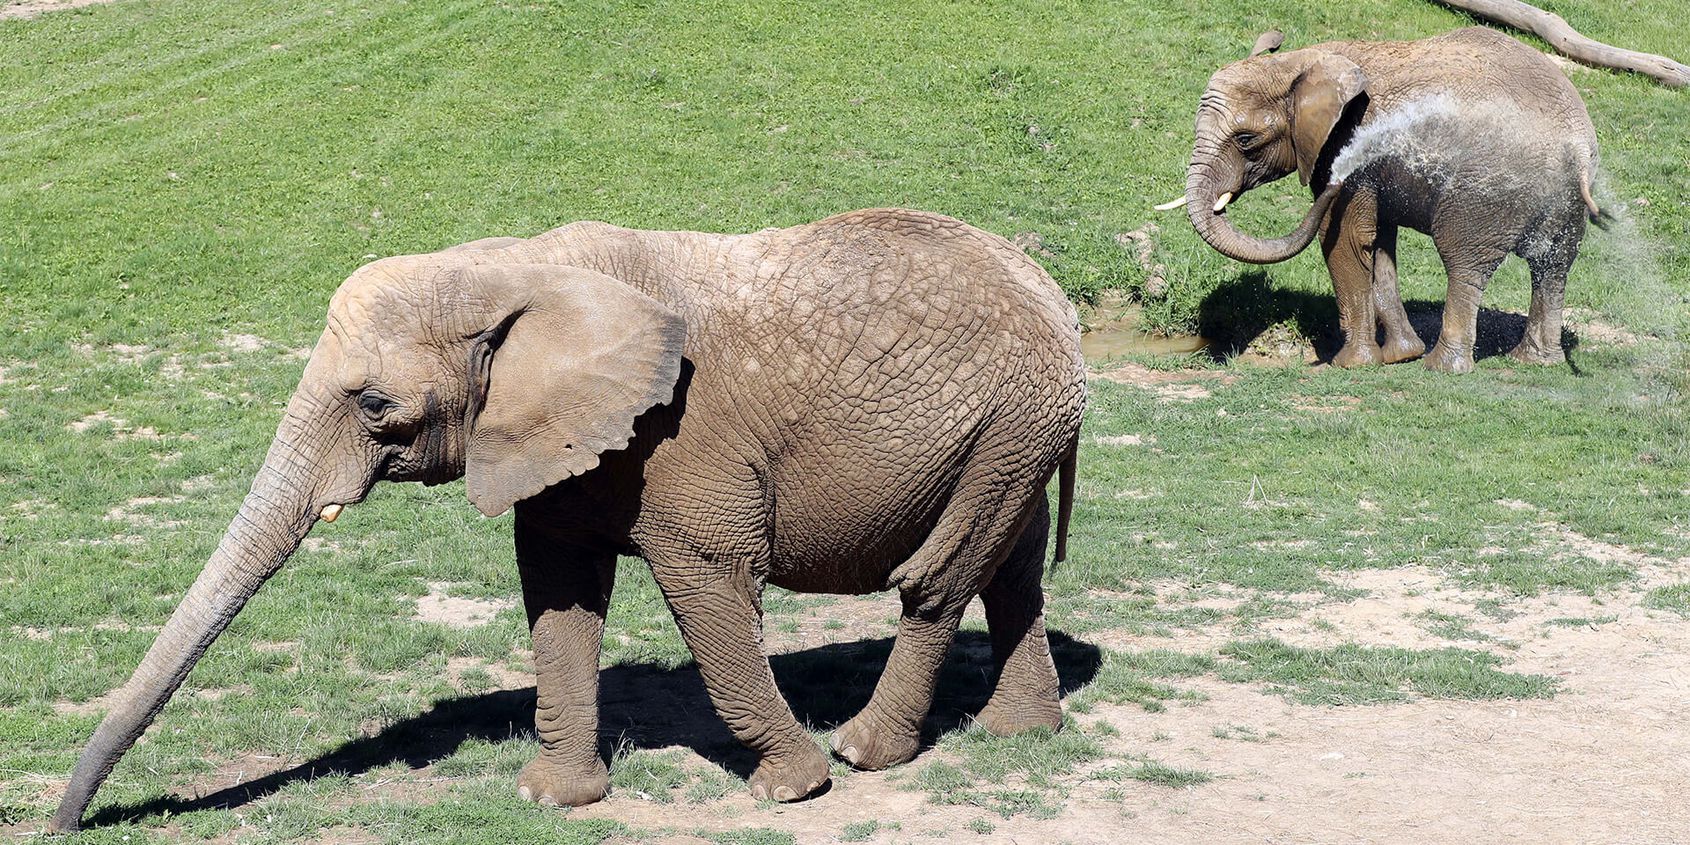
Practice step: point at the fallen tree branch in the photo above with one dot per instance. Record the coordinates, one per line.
(1555, 29)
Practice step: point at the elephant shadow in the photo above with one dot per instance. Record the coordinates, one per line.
(647, 707)
(1247, 307)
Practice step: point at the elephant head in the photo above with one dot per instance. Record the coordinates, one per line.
(1260, 119)
(434, 367)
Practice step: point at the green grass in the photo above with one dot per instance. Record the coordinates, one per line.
(1350, 674)
(1675, 598)
(862, 831)
(1134, 678)
(660, 775)
(1581, 621)
(177, 175)
(1450, 626)
(1159, 774)
(1035, 762)
(753, 836)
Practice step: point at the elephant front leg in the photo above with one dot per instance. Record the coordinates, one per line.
(1348, 245)
(721, 622)
(566, 593)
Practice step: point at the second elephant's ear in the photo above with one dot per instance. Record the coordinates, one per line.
(573, 358)
(1319, 97)
(1267, 42)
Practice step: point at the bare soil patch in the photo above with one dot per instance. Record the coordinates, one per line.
(454, 611)
(1166, 385)
(24, 9)
(1605, 760)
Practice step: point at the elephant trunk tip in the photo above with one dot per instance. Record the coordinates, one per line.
(62, 822)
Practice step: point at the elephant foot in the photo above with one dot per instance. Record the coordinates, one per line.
(1397, 350)
(1447, 359)
(1357, 355)
(1530, 353)
(790, 777)
(556, 785)
(1005, 719)
(868, 743)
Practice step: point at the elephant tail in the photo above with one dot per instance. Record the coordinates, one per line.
(1597, 216)
(1065, 499)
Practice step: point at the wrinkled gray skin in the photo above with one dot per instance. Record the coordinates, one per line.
(1471, 137)
(870, 402)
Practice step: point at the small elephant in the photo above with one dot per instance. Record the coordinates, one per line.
(874, 401)
(1471, 137)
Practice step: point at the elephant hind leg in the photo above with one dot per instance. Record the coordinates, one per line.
(1027, 694)
(971, 538)
(1541, 343)
(1401, 341)
(1469, 271)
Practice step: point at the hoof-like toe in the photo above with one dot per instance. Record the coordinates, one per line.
(1444, 359)
(1537, 356)
(868, 745)
(552, 785)
(792, 778)
(1396, 352)
(1357, 355)
(1010, 719)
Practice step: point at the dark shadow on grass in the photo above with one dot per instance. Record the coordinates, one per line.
(643, 706)
(1242, 310)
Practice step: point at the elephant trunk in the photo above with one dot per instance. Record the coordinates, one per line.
(1211, 173)
(272, 521)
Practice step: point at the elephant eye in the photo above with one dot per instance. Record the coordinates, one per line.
(374, 405)
(1247, 140)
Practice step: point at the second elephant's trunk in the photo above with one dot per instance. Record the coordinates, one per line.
(1209, 176)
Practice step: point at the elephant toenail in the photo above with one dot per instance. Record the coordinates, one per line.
(526, 793)
(785, 793)
(850, 753)
(760, 792)
(548, 801)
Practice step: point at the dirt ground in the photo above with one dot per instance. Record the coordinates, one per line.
(32, 8)
(1605, 760)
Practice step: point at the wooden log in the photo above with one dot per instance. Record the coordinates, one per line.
(1555, 29)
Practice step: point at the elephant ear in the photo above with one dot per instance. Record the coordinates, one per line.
(1319, 97)
(1267, 42)
(572, 358)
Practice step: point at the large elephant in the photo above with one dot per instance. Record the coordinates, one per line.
(874, 401)
(1470, 137)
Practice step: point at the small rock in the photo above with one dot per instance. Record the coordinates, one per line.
(1032, 243)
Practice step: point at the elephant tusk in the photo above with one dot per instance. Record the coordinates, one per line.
(1170, 205)
(1221, 201)
(332, 512)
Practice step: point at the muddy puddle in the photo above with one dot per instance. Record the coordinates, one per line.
(1124, 334)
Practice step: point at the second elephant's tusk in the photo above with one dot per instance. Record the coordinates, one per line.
(1170, 205)
(1221, 201)
(332, 512)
